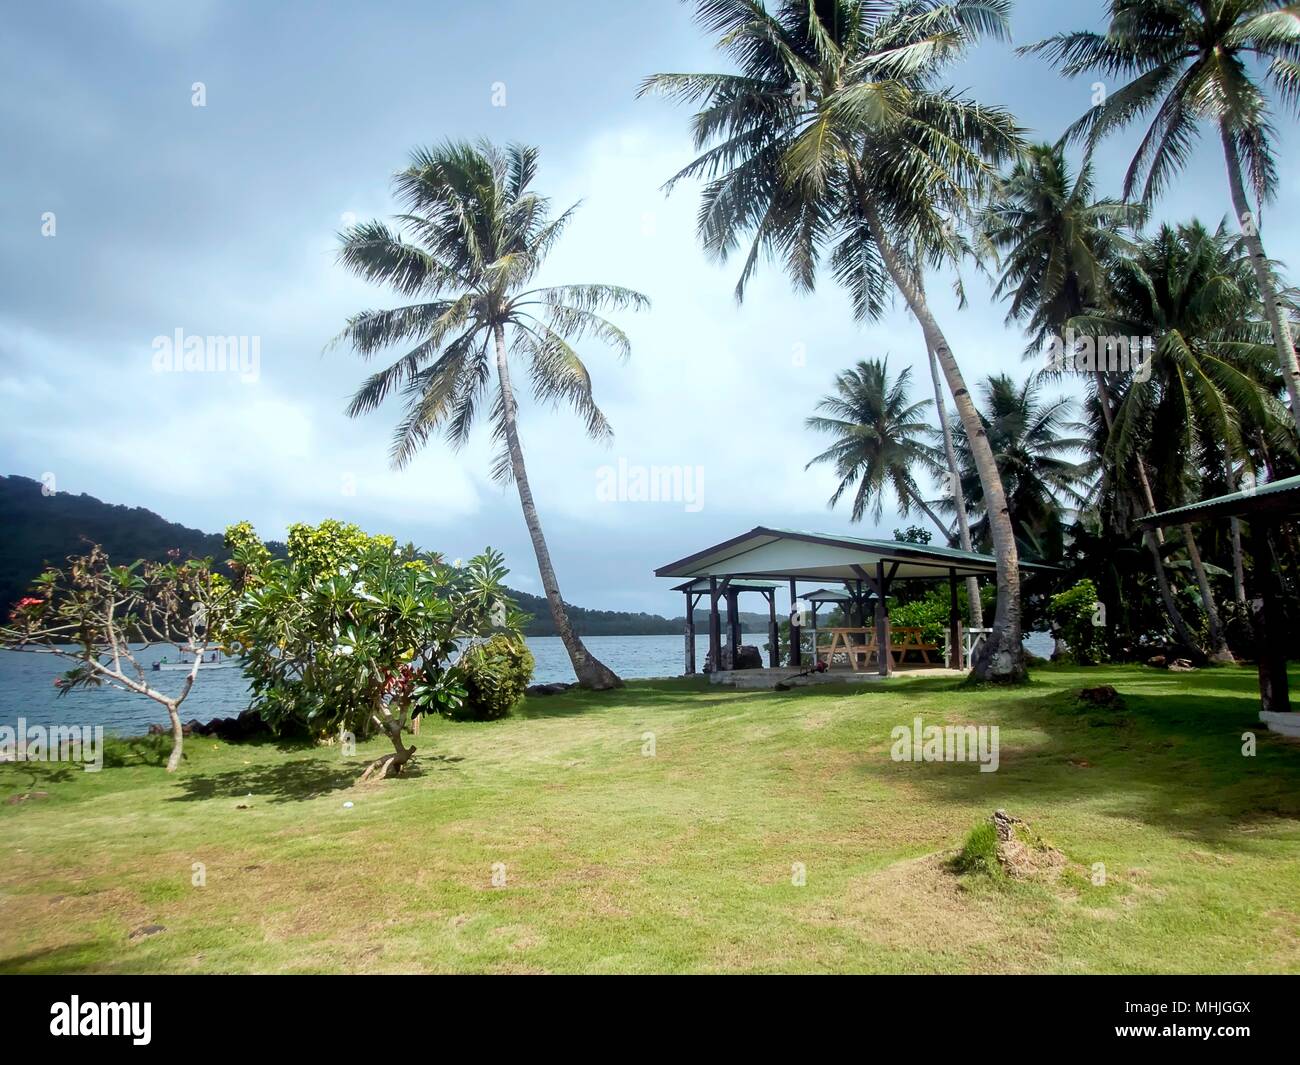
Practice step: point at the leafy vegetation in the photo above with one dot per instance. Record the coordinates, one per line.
(494, 674)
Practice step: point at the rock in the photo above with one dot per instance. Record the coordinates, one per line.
(1157, 660)
(1181, 665)
(146, 930)
(747, 657)
(555, 688)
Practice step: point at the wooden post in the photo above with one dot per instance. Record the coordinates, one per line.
(884, 657)
(715, 627)
(1266, 614)
(733, 623)
(796, 651)
(773, 633)
(954, 623)
(690, 633)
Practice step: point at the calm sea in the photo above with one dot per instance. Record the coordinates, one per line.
(27, 681)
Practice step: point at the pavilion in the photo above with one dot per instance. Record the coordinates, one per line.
(865, 569)
(1264, 507)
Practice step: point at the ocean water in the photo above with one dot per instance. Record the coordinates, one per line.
(27, 681)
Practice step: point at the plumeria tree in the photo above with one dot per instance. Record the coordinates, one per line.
(350, 634)
(100, 617)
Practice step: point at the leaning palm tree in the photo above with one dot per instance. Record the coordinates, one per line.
(1192, 62)
(836, 135)
(881, 437)
(469, 243)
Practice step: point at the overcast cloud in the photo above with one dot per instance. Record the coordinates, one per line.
(220, 220)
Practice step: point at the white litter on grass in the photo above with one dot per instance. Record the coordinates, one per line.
(347, 805)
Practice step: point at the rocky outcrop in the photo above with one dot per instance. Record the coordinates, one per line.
(231, 729)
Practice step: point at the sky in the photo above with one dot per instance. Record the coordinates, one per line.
(188, 167)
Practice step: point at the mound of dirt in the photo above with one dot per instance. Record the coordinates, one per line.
(1103, 697)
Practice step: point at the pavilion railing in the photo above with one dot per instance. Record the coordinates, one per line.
(970, 639)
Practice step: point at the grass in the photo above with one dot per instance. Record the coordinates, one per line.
(608, 858)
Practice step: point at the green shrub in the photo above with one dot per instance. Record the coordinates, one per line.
(1080, 619)
(979, 854)
(495, 674)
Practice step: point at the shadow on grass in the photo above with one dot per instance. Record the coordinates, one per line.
(70, 958)
(1172, 757)
(293, 781)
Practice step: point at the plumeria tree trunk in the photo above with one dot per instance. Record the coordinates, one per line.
(1001, 657)
(958, 496)
(591, 672)
(1277, 314)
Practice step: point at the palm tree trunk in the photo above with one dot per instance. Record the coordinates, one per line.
(1238, 564)
(1218, 644)
(1001, 657)
(591, 672)
(1153, 538)
(958, 496)
(1277, 314)
(929, 513)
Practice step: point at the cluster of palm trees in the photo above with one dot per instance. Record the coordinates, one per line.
(833, 141)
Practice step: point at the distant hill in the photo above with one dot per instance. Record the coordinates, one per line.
(37, 530)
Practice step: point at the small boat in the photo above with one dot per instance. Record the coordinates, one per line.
(211, 660)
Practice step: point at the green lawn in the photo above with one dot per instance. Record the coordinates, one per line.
(619, 862)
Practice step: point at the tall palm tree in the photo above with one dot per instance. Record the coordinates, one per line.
(1055, 240)
(1034, 458)
(472, 237)
(836, 135)
(880, 438)
(1192, 62)
(1057, 245)
(1194, 294)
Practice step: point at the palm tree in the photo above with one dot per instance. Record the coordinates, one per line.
(880, 438)
(1033, 456)
(1055, 241)
(1058, 245)
(835, 135)
(1191, 62)
(1193, 294)
(471, 239)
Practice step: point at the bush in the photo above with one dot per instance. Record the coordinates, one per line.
(1080, 621)
(494, 674)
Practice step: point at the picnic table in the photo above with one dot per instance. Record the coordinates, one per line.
(904, 639)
